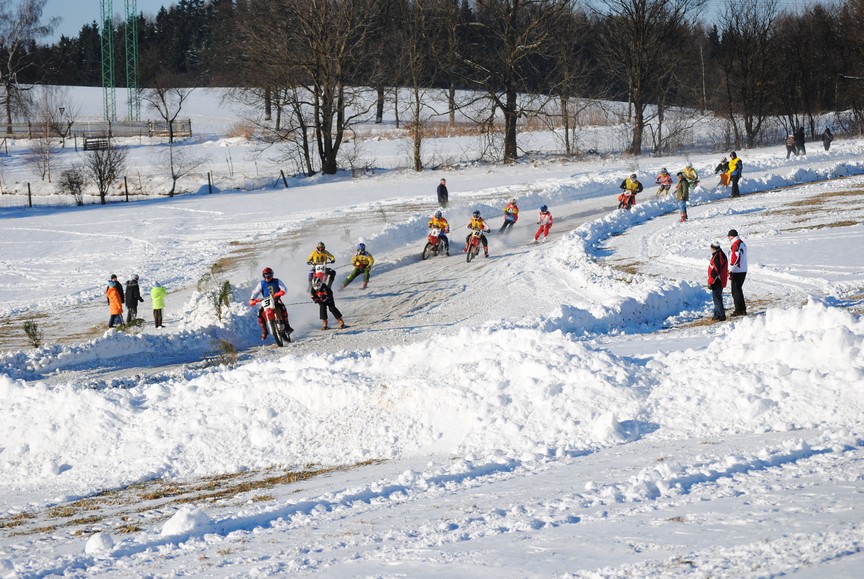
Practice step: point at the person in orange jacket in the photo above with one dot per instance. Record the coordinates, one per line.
(115, 304)
(477, 223)
(439, 222)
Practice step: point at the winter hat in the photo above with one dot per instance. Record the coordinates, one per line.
(732, 233)
(135, 276)
(157, 284)
(715, 245)
(113, 276)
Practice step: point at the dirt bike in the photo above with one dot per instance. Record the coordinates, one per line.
(274, 321)
(474, 244)
(324, 273)
(434, 245)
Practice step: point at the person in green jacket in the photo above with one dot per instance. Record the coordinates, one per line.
(157, 294)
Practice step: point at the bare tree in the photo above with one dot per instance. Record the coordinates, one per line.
(20, 23)
(636, 35)
(42, 150)
(513, 36)
(54, 107)
(104, 166)
(749, 51)
(314, 50)
(166, 98)
(180, 162)
(852, 77)
(72, 183)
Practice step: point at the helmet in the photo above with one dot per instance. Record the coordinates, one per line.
(361, 247)
(689, 165)
(513, 201)
(267, 272)
(317, 283)
(320, 246)
(632, 175)
(438, 215)
(476, 214)
(664, 171)
(543, 209)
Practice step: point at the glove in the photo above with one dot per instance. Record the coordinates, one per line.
(308, 263)
(141, 300)
(253, 302)
(331, 261)
(279, 294)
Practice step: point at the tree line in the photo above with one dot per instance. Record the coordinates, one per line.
(304, 63)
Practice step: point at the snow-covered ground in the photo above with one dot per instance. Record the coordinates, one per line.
(559, 409)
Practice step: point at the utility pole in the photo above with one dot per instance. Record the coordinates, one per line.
(109, 93)
(133, 97)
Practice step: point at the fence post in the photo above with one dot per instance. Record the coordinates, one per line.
(126, 187)
(209, 183)
(29, 196)
(284, 180)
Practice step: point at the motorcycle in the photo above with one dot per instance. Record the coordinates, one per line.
(474, 244)
(274, 321)
(322, 272)
(434, 245)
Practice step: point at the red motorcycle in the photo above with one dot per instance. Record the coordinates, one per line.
(474, 244)
(434, 245)
(274, 321)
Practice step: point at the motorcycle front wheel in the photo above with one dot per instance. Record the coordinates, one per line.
(472, 252)
(275, 331)
(427, 251)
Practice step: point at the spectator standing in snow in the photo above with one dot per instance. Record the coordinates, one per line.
(827, 137)
(133, 297)
(799, 142)
(157, 296)
(115, 303)
(790, 146)
(119, 287)
(737, 271)
(682, 194)
(723, 168)
(736, 167)
(443, 194)
(718, 274)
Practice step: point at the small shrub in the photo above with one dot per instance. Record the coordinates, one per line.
(221, 298)
(72, 183)
(227, 352)
(34, 333)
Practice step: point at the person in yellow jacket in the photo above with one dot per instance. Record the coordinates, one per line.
(362, 262)
(691, 175)
(511, 216)
(115, 304)
(157, 296)
(320, 256)
(439, 222)
(735, 170)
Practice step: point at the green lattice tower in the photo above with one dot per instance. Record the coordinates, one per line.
(109, 93)
(133, 97)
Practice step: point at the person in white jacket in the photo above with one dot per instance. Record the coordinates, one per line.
(737, 271)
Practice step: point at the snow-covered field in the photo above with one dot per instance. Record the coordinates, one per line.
(559, 409)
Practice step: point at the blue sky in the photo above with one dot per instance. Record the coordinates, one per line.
(76, 14)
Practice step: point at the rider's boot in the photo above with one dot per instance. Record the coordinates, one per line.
(323, 324)
(341, 323)
(365, 283)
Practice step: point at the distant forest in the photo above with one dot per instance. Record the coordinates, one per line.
(750, 62)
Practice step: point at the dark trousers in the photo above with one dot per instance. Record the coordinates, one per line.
(115, 319)
(131, 313)
(737, 280)
(333, 310)
(508, 225)
(717, 296)
(157, 318)
(735, 191)
(790, 150)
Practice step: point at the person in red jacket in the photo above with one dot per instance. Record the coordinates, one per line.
(545, 222)
(718, 274)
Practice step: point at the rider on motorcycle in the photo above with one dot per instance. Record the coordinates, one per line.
(664, 179)
(440, 222)
(477, 223)
(270, 285)
(511, 216)
(320, 256)
(691, 175)
(362, 262)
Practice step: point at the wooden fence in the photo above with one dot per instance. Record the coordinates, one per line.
(100, 129)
